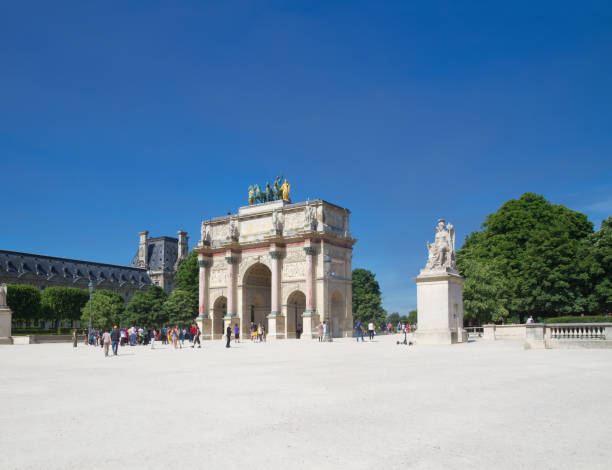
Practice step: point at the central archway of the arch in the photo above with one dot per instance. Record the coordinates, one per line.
(256, 298)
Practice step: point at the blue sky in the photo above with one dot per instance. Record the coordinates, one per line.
(117, 117)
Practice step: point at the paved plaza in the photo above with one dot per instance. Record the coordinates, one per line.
(305, 405)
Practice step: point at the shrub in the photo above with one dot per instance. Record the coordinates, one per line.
(578, 319)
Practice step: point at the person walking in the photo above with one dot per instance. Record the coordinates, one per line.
(153, 337)
(320, 331)
(115, 337)
(358, 331)
(106, 341)
(324, 328)
(371, 331)
(196, 336)
(228, 334)
(236, 333)
(74, 338)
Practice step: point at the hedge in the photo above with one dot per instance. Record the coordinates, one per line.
(578, 319)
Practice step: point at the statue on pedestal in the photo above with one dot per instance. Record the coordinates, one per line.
(3, 294)
(278, 220)
(233, 232)
(442, 250)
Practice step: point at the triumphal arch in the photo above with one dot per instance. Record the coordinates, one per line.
(284, 265)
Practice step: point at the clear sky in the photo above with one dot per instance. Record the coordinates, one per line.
(116, 117)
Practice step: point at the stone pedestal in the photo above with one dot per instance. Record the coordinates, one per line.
(308, 327)
(440, 308)
(6, 315)
(205, 325)
(276, 327)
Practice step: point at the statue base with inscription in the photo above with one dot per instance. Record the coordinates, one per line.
(440, 308)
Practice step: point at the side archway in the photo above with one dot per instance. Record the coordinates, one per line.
(296, 304)
(219, 311)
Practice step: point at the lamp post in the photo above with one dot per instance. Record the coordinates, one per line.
(328, 275)
(90, 285)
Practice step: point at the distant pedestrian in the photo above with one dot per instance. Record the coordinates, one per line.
(153, 338)
(115, 337)
(298, 332)
(324, 328)
(371, 330)
(358, 331)
(320, 331)
(74, 338)
(236, 333)
(530, 319)
(228, 334)
(106, 341)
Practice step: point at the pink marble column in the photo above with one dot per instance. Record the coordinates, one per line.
(204, 264)
(275, 254)
(309, 250)
(230, 283)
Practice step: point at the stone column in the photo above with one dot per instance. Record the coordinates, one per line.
(231, 293)
(204, 320)
(308, 314)
(275, 319)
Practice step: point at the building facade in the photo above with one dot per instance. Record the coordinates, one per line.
(286, 266)
(160, 257)
(43, 271)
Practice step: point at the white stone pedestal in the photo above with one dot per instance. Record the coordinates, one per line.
(205, 325)
(440, 308)
(276, 327)
(6, 315)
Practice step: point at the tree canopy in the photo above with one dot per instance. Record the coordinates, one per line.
(600, 299)
(24, 301)
(367, 301)
(181, 307)
(146, 308)
(106, 308)
(531, 258)
(187, 274)
(63, 303)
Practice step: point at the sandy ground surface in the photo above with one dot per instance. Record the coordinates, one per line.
(306, 405)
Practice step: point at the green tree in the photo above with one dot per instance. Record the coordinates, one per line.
(412, 317)
(24, 301)
(146, 308)
(527, 260)
(181, 307)
(106, 308)
(601, 268)
(63, 303)
(187, 274)
(367, 302)
(394, 318)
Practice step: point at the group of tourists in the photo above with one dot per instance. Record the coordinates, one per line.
(386, 328)
(177, 335)
(133, 336)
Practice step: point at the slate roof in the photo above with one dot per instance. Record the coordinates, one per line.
(17, 264)
(162, 253)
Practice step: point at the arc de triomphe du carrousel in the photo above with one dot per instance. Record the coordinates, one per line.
(284, 265)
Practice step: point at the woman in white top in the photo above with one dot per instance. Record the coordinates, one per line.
(371, 331)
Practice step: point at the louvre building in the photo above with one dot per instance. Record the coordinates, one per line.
(155, 264)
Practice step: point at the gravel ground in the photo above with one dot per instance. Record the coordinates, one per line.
(306, 405)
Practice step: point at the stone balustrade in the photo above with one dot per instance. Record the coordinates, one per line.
(568, 336)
